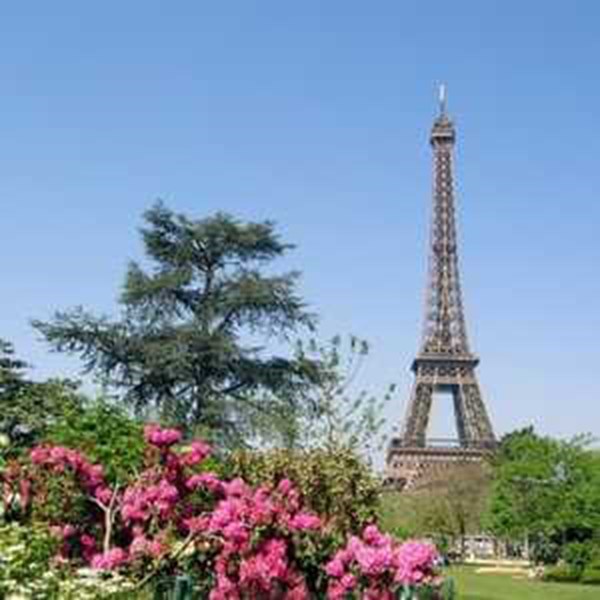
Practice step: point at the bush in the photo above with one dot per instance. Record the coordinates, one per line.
(26, 412)
(25, 553)
(591, 573)
(590, 576)
(173, 517)
(334, 483)
(544, 550)
(577, 555)
(375, 566)
(561, 574)
(106, 435)
(78, 585)
(26, 556)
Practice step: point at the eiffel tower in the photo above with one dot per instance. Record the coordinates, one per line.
(444, 362)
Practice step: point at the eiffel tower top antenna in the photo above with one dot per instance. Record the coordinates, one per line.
(442, 99)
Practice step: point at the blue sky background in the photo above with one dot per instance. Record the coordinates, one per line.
(316, 114)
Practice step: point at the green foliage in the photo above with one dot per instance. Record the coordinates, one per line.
(27, 570)
(11, 369)
(28, 408)
(399, 514)
(448, 589)
(545, 489)
(106, 435)
(562, 574)
(182, 587)
(25, 554)
(454, 505)
(544, 549)
(334, 482)
(521, 500)
(86, 584)
(60, 500)
(445, 592)
(447, 509)
(584, 559)
(178, 346)
(577, 554)
(334, 413)
(591, 573)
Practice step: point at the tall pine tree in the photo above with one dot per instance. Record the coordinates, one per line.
(189, 342)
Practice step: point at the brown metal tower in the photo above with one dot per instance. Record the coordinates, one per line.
(444, 362)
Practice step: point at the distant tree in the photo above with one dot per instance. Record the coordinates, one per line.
(28, 408)
(190, 341)
(448, 508)
(454, 506)
(545, 491)
(11, 369)
(523, 493)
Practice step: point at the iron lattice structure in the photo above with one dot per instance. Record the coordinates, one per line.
(444, 362)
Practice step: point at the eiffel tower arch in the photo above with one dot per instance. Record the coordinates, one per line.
(444, 362)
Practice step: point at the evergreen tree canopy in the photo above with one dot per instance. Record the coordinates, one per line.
(11, 369)
(189, 340)
(28, 408)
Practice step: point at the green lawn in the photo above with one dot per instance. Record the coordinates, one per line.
(480, 586)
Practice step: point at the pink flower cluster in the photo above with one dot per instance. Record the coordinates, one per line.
(59, 459)
(256, 568)
(415, 562)
(256, 539)
(142, 502)
(243, 509)
(154, 500)
(376, 566)
(208, 481)
(112, 559)
(160, 494)
(90, 477)
(144, 546)
(197, 452)
(267, 573)
(161, 438)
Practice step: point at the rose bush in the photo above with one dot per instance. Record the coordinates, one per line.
(238, 541)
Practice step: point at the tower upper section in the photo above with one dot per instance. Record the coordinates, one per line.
(442, 132)
(445, 333)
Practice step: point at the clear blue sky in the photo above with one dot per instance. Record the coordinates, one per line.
(316, 114)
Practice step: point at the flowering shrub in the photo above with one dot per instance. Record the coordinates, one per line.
(63, 486)
(25, 554)
(256, 533)
(139, 517)
(334, 482)
(374, 567)
(243, 542)
(161, 438)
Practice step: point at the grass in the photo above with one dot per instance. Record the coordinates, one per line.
(483, 586)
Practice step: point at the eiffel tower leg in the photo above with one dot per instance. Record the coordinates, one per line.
(478, 422)
(459, 414)
(417, 419)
